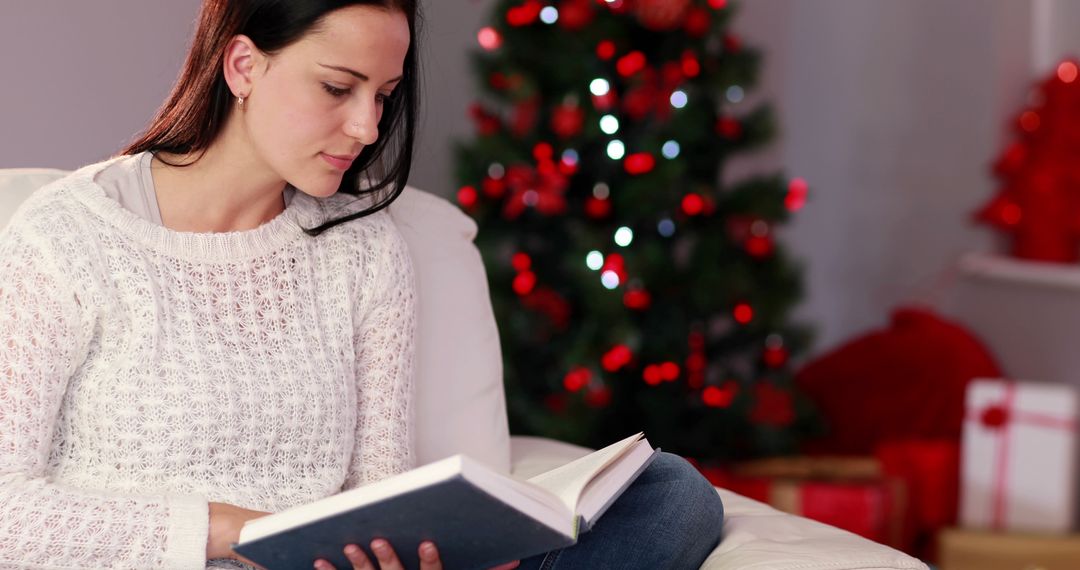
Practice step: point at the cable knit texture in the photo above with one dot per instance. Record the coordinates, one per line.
(145, 372)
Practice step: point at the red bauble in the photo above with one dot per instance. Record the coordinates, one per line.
(525, 115)
(661, 15)
(577, 379)
(728, 127)
(759, 247)
(775, 357)
(598, 397)
(698, 22)
(596, 208)
(639, 101)
(637, 299)
(467, 197)
(567, 120)
(575, 14)
(525, 14)
(487, 123)
(639, 163)
(614, 359)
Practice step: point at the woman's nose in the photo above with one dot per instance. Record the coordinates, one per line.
(364, 125)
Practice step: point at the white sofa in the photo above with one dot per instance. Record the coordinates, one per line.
(460, 406)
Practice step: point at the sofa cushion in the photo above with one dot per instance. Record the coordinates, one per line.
(460, 406)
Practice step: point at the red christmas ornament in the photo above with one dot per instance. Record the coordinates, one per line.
(616, 358)
(661, 15)
(467, 197)
(498, 81)
(691, 67)
(743, 313)
(524, 283)
(652, 375)
(732, 43)
(598, 397)
(775, 357)
(720, 396)
(524, 14)
(521, 262)
(631, 63)
(489, 38)
(717, 4)
(577, 379)
(542, 189)
(605, 50)
(575, 14)
(616, 264)
(759, 247)
(693, 204)
(487, 123)
(772, 406)
(796, 195)
(494, 188)
(525, 115)
(552, 305)
(596, 208)
(567, 120)
(606, 101)
(698, 22)
(637, 299)
(639, 163)
(728, 127)
(640, 101)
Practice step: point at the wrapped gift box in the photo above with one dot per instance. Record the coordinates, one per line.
(1018, 457)
(849, 493)
(976, 550)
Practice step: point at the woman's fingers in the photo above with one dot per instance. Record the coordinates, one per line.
(507, 566)
(388, 559)
(429, 556)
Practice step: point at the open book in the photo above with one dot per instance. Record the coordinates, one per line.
(476, 516)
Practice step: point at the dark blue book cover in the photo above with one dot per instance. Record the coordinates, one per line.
(471, 528)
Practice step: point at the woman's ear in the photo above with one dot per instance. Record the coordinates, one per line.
(242, 60)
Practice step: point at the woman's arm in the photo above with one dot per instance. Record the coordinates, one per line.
(45, 334)
(385, 333)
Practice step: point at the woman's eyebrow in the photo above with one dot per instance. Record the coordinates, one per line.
(357, 74)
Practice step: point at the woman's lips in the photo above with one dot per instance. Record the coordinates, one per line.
(337, 161)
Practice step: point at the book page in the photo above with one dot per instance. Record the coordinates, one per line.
(568, 481)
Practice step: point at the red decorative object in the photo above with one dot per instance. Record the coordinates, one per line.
(639, 163)
(614, 359)
(640, 101)
(545, 300)
(930, 470)
(698, 22)
(524, 283)
(567, 120)
(525, 116)
(661, 15)
(1038, 204)
(467, 197)
(494, 188)
(718, 4)
(521, 262)
(637, 299)
(732, 43)
(693, 204)
(598, 397)
(796, 196)
(524, 14)
(691, 67)
(489, 38)
(631, 63)
(729, 127)
(904, 382)
(487, 123)
(773, 406)
(596, 208)
(759, 247)
(743, 313)
(615, 263)
(577, 379)
(542, 189)
(775, 357)
(575, 14)
(605, 50)
(720, 396)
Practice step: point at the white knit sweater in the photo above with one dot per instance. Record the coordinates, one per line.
(145, 372)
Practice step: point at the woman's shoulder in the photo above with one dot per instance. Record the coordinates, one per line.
(55, 206)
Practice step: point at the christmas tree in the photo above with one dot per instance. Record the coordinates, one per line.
(633, 290)
(1038, 205)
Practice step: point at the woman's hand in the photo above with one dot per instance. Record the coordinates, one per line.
(225, 523)
(388, 560)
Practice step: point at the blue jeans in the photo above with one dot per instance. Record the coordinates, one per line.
(670, 517)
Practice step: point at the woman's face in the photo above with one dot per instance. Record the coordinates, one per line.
(317, 103)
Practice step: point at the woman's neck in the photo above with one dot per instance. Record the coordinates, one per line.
(226, 188)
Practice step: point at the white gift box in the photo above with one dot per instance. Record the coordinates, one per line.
(1018, 458)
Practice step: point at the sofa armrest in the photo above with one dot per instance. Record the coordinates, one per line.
(756, 536)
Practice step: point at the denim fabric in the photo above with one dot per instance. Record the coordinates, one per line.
(670, 517)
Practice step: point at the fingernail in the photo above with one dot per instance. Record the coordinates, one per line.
(378, 544)
(428, 548)
(352, 549)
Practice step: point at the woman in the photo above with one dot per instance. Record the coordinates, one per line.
(218, 323)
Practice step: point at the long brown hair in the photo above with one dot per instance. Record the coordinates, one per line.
(195, 112)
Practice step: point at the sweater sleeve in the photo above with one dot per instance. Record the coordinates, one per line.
(384, 339)
(45, 334)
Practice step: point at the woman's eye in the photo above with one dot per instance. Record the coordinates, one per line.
(335, 91)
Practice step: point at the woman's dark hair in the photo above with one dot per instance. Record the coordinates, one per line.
(193, 115)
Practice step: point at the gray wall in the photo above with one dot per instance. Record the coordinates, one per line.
(891, 110)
